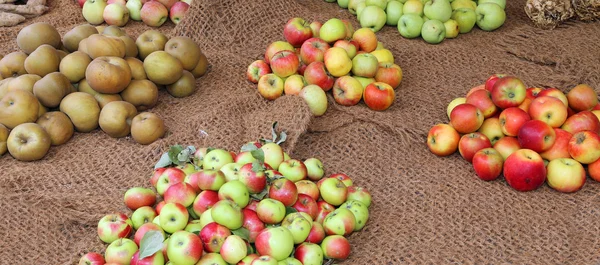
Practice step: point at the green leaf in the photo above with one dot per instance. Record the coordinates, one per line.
(283, 137)
(273, 131)
(174, 153)
(151, 242)
(261, 195)
(209, 149)
(164, 161)
(248, 147)
(259, 154)
(258, 166)
(242, 232)
(289, 210)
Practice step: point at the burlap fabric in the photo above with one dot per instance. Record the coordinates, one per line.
(426, 210)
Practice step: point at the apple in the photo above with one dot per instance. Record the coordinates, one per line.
(533, 92)
(306, 204)
(492, 129)
(594, 170)
(116, 14)
(487, 164)
(360, 194)
(169, 177)
(309, 188)
(490, 16)
(332, 30)
(293, 85)
(365, 65)
(433, 31)
(337, 62)
(524, 170)
(316, 74)
(582, 121)
(560, 147)
(177, 11)
(373, 18)
(549, 110)
(366, 39)
(143, 229)
(142, 215)
(91, 258)
(393, 12)
(507, 145)
(410, 25)
(298, 225)
(270, 86)
(466, 118)
(554, 92)
(333, 191)
(379, 96)
(296, 31)
(316, 99)
(439, 10)
(339, 222)
(324, 209)
(138, 197)
(536, 135)
(309, 253)
(508, 91)
(413, 7)
(134, 7)
(276, 242)
(336, 246)
(18, 107)
(501, 3)
(215, 159)
(154, 14)
(256, 70)
(313, 50)
(314, 167)
(255, 181)
(283, 190)
(565, 175)
(350, 47)
(213, 235)
(584, 147)
(453, 103)
(275, 47)
(270, 211)
(315, 27)
(182, 193)
(120, 251)
(93, 11)
(204, 201)
(284, 63)
(154, 259)
(442, 139)
(347, 91)
(228, 214)
(234, 249)
(273, 154)
(470, 143)
(582, 97)
(173, 217)
(235, 191)
(210, 179)
(114, 226)
(512, 119)
(252, 223)
(483, 101)
(28, 142)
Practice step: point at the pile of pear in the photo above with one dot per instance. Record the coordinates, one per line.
(90, 78)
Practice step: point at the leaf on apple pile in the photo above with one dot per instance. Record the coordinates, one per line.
(177, 155)
(242, 232)
(282, 135)
(151, 242)
(289, 210)
(258, 166)
(248, 147)
(261, 195)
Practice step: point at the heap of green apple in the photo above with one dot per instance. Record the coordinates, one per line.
(257, 206)
(529, 135)
(316, 58)
(433, 20)
(153, 13)
(89, 79)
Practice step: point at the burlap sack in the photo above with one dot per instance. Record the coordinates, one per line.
(426, 209)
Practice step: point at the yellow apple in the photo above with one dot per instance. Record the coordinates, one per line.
(58, 126)
(337, 61)
(116, 117)
(17, 107)
(147, 127)
(83, 110)
(28, 142)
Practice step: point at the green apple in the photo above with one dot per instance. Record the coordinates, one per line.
(410, 25)
(120, 251)
(452, 29)
(360, 211)
(228, 214)
(394, 12)
(343, 3)
(173, 217)
(135, 7)
(463, 4)
(465, 18)
(490, 16)
(235, 191)
(359, 8)
(216, 158)
(314, 168)
(276, 242)
(365, 65)
(184, 248)
(316, 99)
(433, 31)
(364, 81)
(234, 249)
(290, 261)
(298, 226)
(353, 4)
(438, 10)
(93, 11)
(380, 3)
(413, 7)
(142, 215)
(206, 218)
(332, 30)
(501, 3)
(372, 17)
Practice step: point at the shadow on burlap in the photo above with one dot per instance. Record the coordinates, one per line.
(426, 210)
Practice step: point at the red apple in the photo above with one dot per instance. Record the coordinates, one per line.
(379, 96)
(336, 247)
(532, 92)
(554, 92)
(483, 101)
(138, 197)
(284, 63)
(525, 105)
(316, 234)
(347, 91)
(283, 190)
(507, 145)
(594, 170)
(487, 164)
(296, 31)
(156, 175)
(350, 48)
(560, 147)
(177, 11)
(549, 110)
(512, 119)
(524, 170)
(142, 230)
(213, 235)
(204, 201)
(489, 83)
(169, 177)
(508, 91)
(582, 97)
(466, 118)
(306, 204)
(584, 147)
(181, 193)
(389, 73)
(565, 175)
(276, 47)
(91, 258)
(536, 135)
(255, 181)
(316, 74)
(324, 209)
(309, 188)
(270, 86)
(582, 121)
(470, 143)
(252, 223)
(475, 88)
(257, 69)
(313, 50)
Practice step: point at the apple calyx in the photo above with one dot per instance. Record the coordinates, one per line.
(151, 242)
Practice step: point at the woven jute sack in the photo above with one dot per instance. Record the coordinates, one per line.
(426, 209)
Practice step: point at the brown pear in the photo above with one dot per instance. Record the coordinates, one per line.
(23, 82)
(83, 110)
(73, 66)
(114, 31)
(3, 136)
(101, 45)
(42, 61)
(131, 49)
(51, 89)
(57, 125)
(143, 94)
(147, 127)
(18, 106)
(149, 42)
(115, 118)
(72, 38)
(201, 67)
(13, 64)
(36, 34)
(102, 99)
(137, 68)
(185, 86)
(28, 142)
(184, 49)
(162, 68)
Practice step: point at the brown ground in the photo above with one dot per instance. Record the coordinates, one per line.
(426, 210)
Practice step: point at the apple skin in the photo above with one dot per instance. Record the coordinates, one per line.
(169, 177)
(492, 129)
(173, 217)
(283, 190)
(228, 214)
(594, 170)
(490, 16)
(512, 119)
(210, 179)
(560, 147)
(351, 48)
(154, 14)
(533, 92)
(507, 145)
(276, 242)
(524, 170)
(120, 251)
(296, 31)
(182, 193)
(275, 47)
(313, 50)
(306, 204)
(142, 230)
(316, 234)
(316, 99)
(337, 62)
(554, 92)
(155, 259)
(234, 249)
(213, 235)
(582, 97)
(536, 135)
(333, 191)
(470, 143)
(442, 140)
(254, 181)
(466, 118)
(339, 222)
(389, 73)
(177, 11)
(379, 96)
(549, 110)
(284, 63)
(324, 209)
(316, 74)
(294, 84)
(114, 226)
(204, 201)
(584, 147)
(336, 247)
(270, 86)
(253, 223)
(483, 101)
(309, 253)
(256, 70)
(453, 103)
(508, 91)
(487, 164)
(138, 197)
(270, 211)
(309, 188)
(91, 258)
(235, 191)
(565, 175)
(582, 121)
(360, 194)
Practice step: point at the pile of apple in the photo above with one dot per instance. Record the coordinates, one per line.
(153, 13)
(316, 58)
(217, 207)
(54, 87)
(529, 135)
(433, 20)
